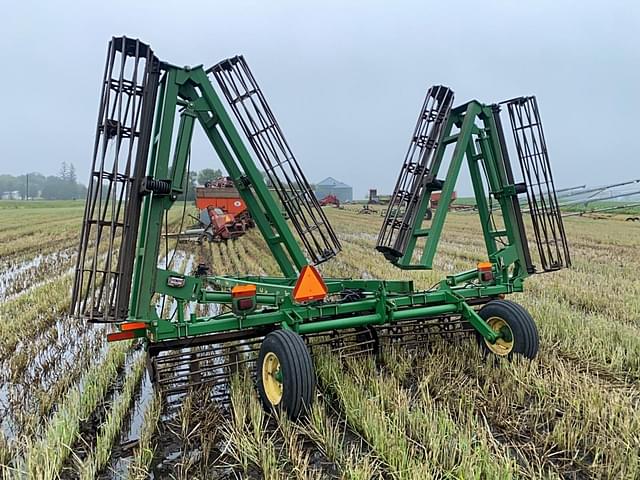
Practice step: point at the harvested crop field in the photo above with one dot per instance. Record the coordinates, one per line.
(73, 406)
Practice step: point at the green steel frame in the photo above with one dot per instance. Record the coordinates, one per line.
(189, 92)
(477, 139)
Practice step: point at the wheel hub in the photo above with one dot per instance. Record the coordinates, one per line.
(272, 378)
(504, 343)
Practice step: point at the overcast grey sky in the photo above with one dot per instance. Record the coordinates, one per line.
(345, 79)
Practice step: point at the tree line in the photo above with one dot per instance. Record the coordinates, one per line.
(64, 186)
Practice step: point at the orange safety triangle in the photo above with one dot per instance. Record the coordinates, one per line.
(309, 286)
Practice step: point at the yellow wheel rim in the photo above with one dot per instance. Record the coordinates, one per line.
(503, 346)
(272, 378)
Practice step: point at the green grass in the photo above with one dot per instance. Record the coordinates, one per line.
(37, 204)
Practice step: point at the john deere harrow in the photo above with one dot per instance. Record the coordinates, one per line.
(271, 323)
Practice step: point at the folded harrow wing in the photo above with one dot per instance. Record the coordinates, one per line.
(147, 114)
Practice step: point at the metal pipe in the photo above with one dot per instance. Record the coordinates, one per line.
(599, 210)
(224, 297)
(423, 312)
(462, 277)
(372, 319)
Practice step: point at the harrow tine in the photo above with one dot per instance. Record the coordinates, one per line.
(205, 366)
(212, 366)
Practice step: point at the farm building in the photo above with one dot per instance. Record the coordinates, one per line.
(12, 195)
(331, 186)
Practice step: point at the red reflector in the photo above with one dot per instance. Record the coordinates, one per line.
(133, 326)
(115, 337)
(245, 304)
(243, 291)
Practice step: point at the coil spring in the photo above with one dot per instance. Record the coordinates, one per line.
(161, 187)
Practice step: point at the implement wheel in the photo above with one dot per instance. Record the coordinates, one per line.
(428, 215)
(285, 373)
(520, 335)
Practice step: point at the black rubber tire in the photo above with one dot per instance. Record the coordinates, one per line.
(428, 215)
(298, 376)
(523, 327)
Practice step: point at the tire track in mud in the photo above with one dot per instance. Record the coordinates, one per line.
(188, 438)
(124, 447)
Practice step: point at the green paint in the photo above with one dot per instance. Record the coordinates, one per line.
(379, 301)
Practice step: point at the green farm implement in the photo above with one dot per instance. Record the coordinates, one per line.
(147, 114)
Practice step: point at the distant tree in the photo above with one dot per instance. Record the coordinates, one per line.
(64, 171)
(71, 174)
(207, 174)
(55, 188)
(63, 186)
(67, 178)
(9, 183)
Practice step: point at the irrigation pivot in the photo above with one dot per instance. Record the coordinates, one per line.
(148, 111)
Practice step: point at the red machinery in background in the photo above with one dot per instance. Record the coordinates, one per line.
(435, 198)
(223, 214)
(221, 226)
(222, 194)
(330, 200)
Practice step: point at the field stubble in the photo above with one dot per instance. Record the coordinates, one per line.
(572, 413)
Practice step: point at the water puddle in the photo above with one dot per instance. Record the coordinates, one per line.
(123, 453)
(18, 278)
(56, 362)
